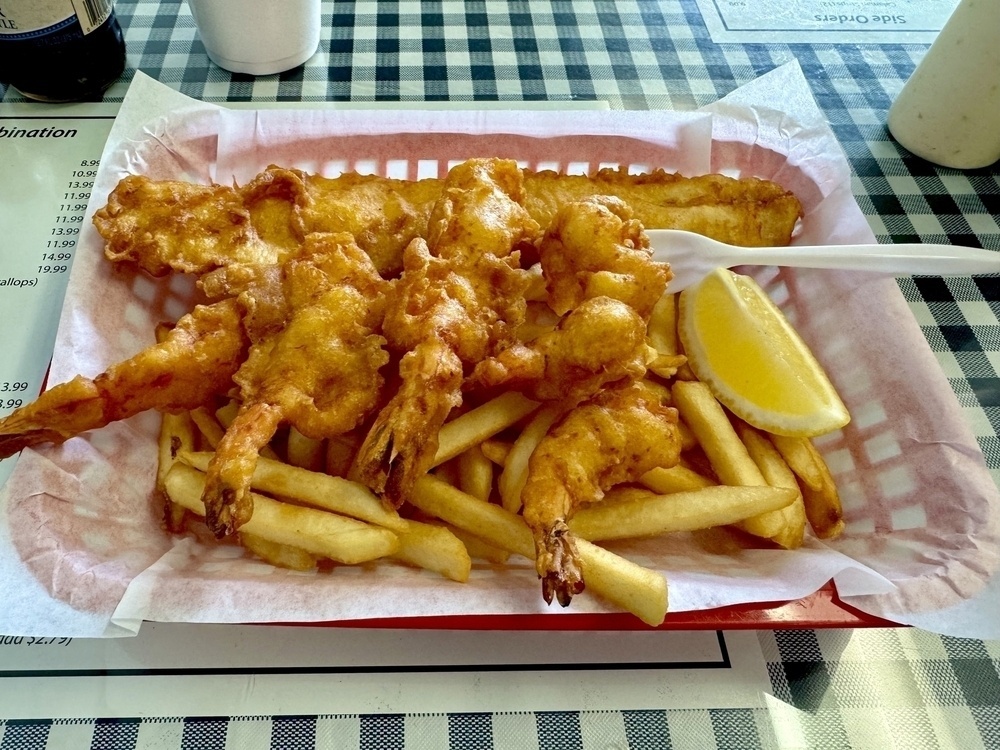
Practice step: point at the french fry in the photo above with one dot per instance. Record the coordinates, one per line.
(662, 326)
(640, 591)
(279, 555)
(778, 474)
(723, 447)
(340, 450)
(334, 494)
(515, 468)
(819, 490)
(479, 548)
(823, 509)
(650, 514)
(324, 534)
(684, 372)
(208, 425)
(423, 545)
(177, 433)
(802, 458)
(227, 412)
(448, 472)
(475, 473)
(495, 450)
(483, 422)
(716, 436)
(489, 522)
(674, 479)
(435, 548)
(621, 493)
(688, 440)
(305, 452)
(633, 588)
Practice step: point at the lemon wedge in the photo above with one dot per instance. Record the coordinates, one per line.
(740, 344)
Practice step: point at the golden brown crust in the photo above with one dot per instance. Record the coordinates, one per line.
(748, 211)
(164, 226)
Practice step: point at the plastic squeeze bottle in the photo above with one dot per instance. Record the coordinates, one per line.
(948, 112)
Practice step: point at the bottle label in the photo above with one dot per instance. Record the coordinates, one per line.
(30, 19)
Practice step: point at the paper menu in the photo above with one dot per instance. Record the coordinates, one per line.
(233, 670)
(48, 161)
(771, 128)
(826, 21)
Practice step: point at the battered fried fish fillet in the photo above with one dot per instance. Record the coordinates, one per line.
(384, 215)
(162, 226)
(196, 360)
(459, 300)
(313, 362)
(616, 436)
(745, 211)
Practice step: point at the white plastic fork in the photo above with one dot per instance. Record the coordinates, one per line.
(693, 256)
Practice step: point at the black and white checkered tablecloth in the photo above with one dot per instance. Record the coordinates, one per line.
(833, 689)
(875, 689)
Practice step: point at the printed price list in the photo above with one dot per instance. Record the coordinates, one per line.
(821, 21)
(48, 163)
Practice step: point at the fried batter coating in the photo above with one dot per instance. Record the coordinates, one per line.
(459, 300)
(595, 248)
(196, 360)
(745, 211)
(616, 436)
(313, 362)
(598, 268)
(164, 226)
(384, 215)
(600, 342)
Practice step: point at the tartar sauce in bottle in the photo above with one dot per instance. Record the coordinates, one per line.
(948, 112)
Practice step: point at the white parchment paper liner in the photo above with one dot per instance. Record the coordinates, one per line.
(922, 508)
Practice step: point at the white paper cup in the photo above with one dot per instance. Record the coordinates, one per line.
(259, 37)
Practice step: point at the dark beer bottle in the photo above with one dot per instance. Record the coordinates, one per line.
(62, 50)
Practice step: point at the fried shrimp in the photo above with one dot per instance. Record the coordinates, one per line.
(195, 361)
(600, 275)
(459, 300)
(313, 362)
(599, 342)
(616, 436)
(595, 248)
